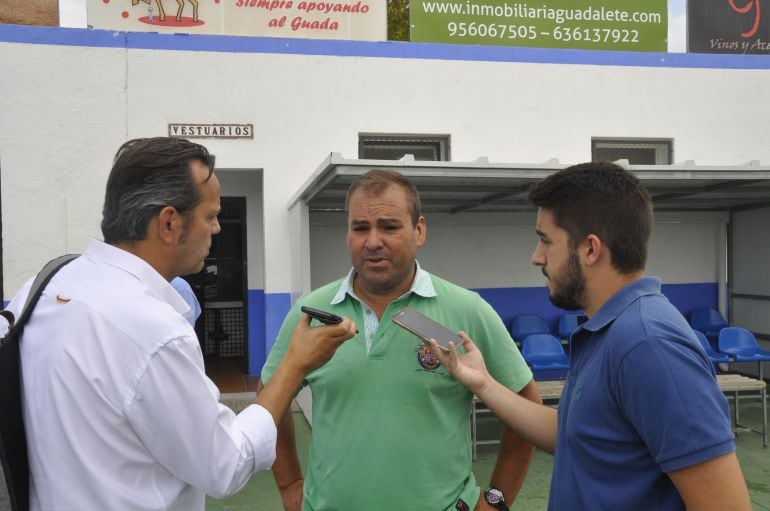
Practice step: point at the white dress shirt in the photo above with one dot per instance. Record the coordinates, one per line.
(119, 412)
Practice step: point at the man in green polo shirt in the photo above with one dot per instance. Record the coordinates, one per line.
(390, 424)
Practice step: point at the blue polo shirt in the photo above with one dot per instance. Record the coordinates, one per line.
(641, 400)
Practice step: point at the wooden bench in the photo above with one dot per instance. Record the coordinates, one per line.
(735, 384)
(550, 392)
(732, 385)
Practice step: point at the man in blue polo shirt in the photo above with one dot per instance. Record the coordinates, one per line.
(641, 423)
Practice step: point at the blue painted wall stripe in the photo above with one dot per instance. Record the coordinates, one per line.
(385, 49)
(687, 297)
(277, 305)
(510, 302)
(255, 310)
(266, 311)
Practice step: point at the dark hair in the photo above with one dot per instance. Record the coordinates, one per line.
(375, 182)
(147, 175)
(603, 199)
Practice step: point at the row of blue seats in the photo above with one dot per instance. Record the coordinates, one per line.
(545, 354)
(529, 324)
(542, 351)
(708, 321)
(732, 343)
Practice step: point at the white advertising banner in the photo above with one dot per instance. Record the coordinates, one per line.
(364, 20)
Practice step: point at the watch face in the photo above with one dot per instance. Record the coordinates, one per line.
(493, 496)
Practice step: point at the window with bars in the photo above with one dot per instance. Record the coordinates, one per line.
(394, 147)
(638, 151)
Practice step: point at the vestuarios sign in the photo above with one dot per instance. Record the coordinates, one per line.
(728, 26)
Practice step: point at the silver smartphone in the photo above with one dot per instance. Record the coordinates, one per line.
(425, 328)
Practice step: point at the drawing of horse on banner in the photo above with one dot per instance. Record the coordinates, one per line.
(162, 12)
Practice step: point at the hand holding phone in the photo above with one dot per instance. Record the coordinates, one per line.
(425, 328)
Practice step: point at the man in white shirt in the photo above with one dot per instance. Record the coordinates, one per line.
(118, 410)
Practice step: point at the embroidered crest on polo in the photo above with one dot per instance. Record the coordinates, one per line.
(426, 358)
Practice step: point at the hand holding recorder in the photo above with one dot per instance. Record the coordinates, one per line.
(327, 318)
(425, 328)
(311, 347)
(467, 368)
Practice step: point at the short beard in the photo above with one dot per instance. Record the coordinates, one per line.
(569, 288)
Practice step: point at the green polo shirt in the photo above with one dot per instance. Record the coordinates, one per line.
(390, 425)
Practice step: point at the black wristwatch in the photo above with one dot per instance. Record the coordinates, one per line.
(494, 498)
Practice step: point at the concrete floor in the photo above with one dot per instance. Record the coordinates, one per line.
(228, 374)
(260, 493)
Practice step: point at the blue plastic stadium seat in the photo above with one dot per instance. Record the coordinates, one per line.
(741, 345)
(528, 324)
(708, 321)
(715, 356)
(568, 323)
(545, 355)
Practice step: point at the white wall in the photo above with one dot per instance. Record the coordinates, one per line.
(65, 109)
(62, 116)
(248, 183)
(493, 250)
(687, 247)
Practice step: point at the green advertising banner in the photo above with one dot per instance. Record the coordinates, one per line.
(626, 25)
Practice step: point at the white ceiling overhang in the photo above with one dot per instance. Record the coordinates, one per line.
(455, 187)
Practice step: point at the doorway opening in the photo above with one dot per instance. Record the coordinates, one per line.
(221, 289)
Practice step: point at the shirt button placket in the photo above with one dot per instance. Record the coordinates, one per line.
(369, 332)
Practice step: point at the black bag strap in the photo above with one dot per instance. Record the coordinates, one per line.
(16, 327)
(13, 442)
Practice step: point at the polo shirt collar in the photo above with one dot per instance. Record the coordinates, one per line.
(140, 269)
(613, 307)
(422, 285)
